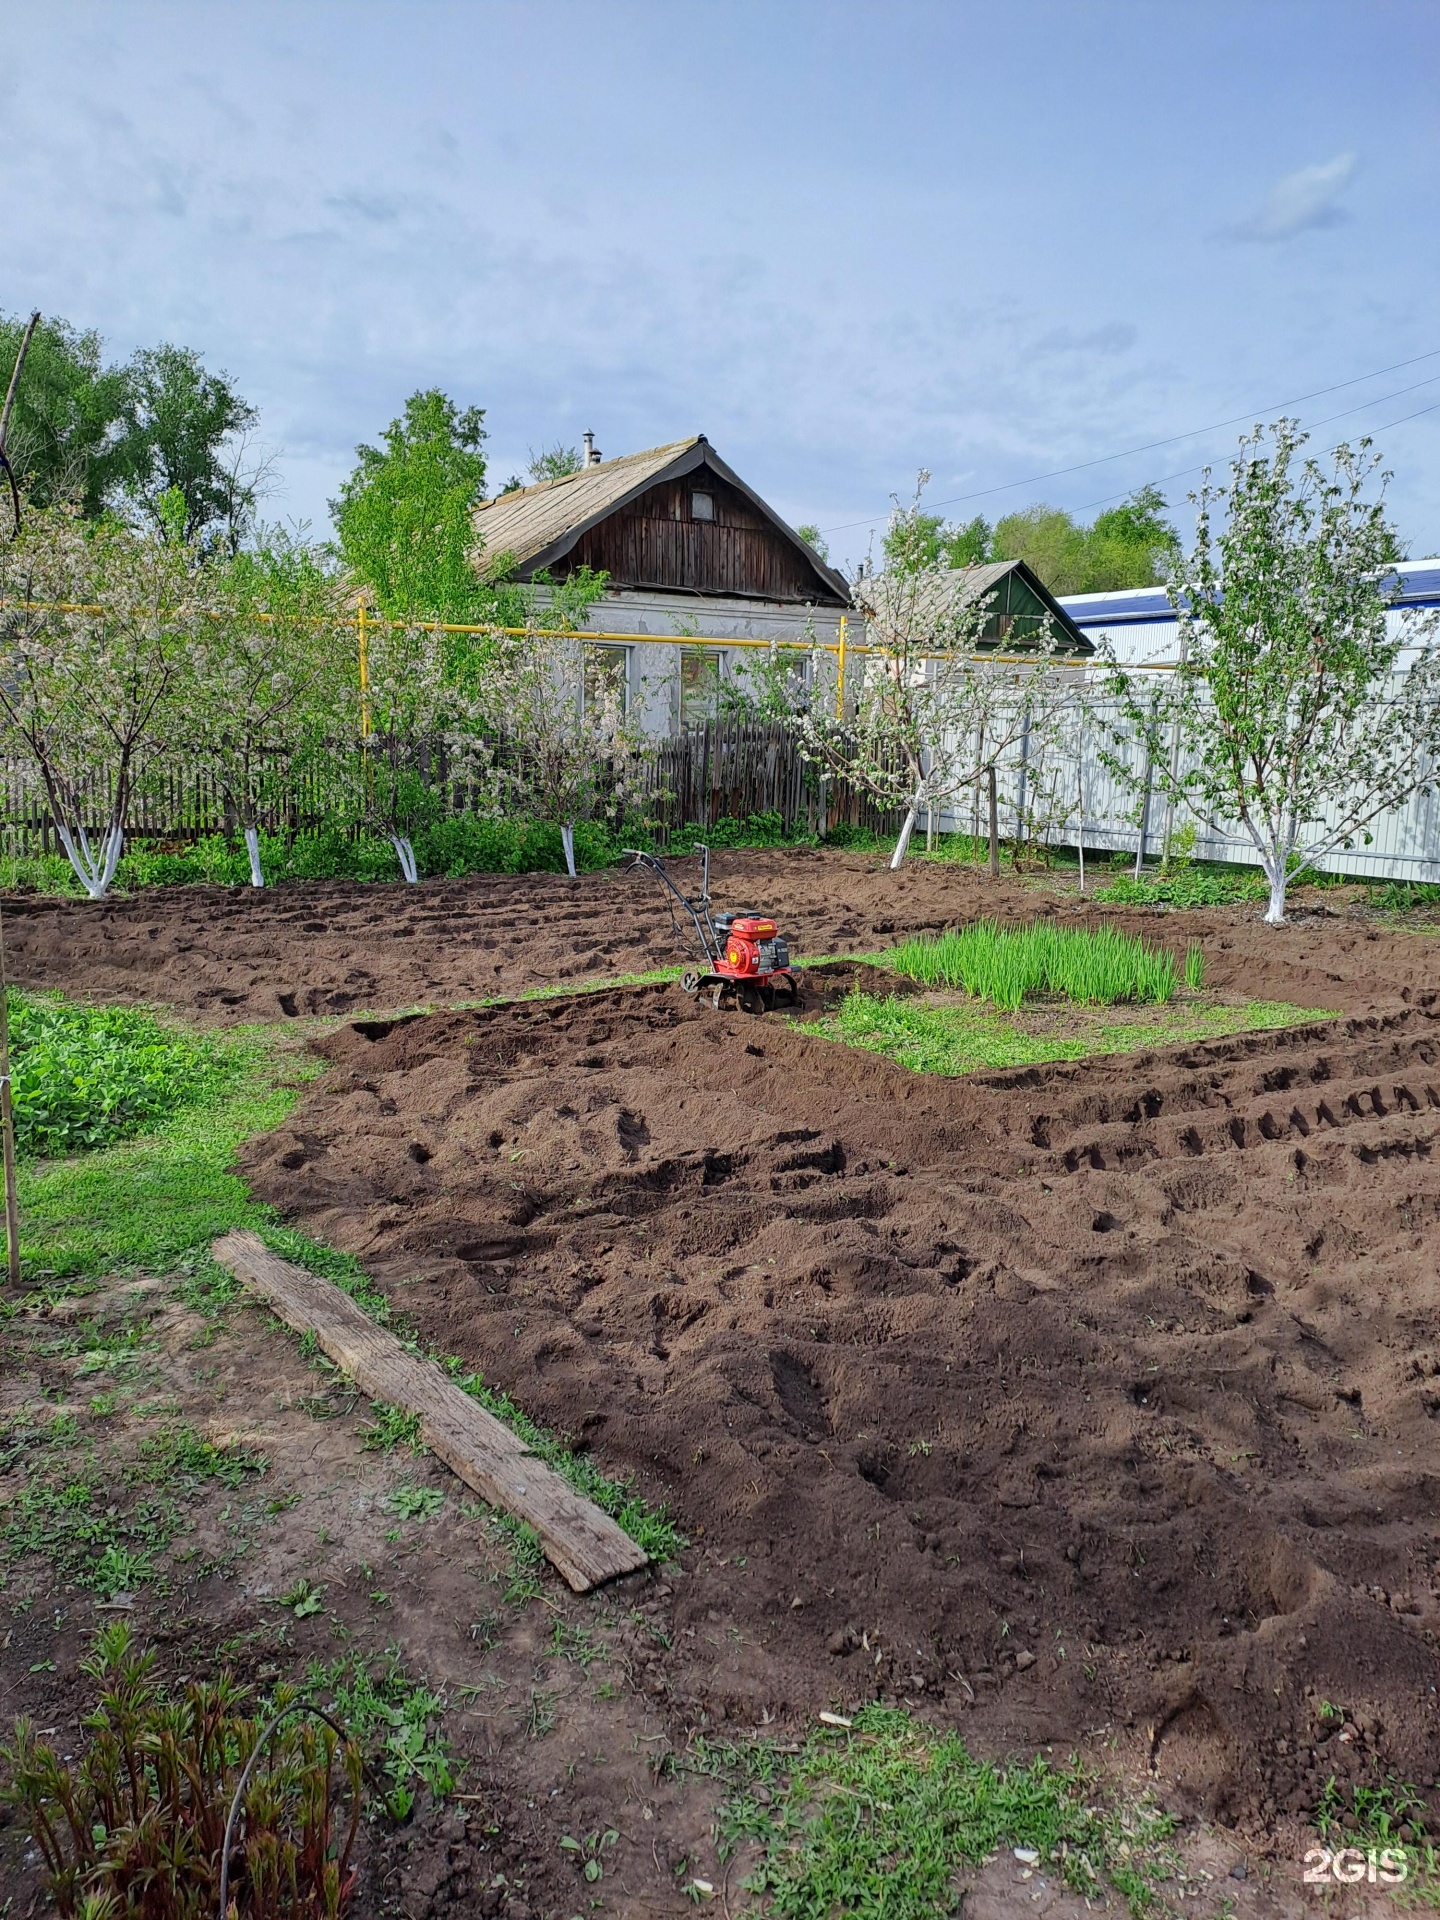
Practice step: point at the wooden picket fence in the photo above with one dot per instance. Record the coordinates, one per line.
(722, 770)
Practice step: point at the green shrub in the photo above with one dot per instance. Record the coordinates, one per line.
(136, 1823)
(1096, 967)
(83, 1076)
(755, 830)
(1186, 887)
(852, 839)
(1405, 896)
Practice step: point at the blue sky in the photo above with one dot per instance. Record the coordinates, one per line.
(843, 240)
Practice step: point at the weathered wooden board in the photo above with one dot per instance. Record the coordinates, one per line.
(584, 1545)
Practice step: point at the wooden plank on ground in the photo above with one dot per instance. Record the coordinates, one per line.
(584, 1545)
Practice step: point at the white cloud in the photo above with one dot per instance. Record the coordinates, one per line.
(1300, 201)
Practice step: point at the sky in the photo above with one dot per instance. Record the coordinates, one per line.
(845, 240)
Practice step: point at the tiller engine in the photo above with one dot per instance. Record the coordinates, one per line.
(747, 962)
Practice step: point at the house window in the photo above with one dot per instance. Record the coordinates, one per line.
(607, 678)
(702, 506)
(699, 686)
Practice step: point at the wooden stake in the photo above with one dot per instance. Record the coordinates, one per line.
(7, 1123)
(994, 825)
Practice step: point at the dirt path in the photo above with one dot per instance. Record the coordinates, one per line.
(228, 954)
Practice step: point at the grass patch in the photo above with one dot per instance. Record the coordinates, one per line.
(1005, 965)
(100, 1520)
(154, 1204)
(84, 1076)
(879, 1820)
(966, 1038)
(1185, 886)
(391, 1714)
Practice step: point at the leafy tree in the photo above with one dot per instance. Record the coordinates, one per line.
(812, 538)
(389, 731)
(1293, 715)
(91, 698)
(185, 431)
(554, 463)
(63, 431)
(922, 540)
(405, 515)
(935, 711)
(1132, 545)
(267, 674)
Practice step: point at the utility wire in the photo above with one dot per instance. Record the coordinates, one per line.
(1058, 473)
(1187, 472)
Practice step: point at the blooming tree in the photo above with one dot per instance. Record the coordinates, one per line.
(558, 704)
(399, 727)
(97, 651)
(944, 699)
(1294, 712)
(267, 673)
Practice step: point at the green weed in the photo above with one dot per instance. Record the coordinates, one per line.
(1095, 966)
(101, 1525)
(416, 1503)
(878, 1821)
(83, 1076)
(381, 1706)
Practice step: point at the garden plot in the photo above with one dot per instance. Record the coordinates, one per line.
(1097, 1394)
(326, 948)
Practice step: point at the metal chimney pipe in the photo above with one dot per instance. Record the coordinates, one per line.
(593, 455)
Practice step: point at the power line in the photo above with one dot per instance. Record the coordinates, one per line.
(1060, 472)
(1187, 472)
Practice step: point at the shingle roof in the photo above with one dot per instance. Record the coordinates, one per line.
(964, 586)
(535, 526)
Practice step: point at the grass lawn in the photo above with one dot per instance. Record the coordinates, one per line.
(153, 1203)
(952, 1033)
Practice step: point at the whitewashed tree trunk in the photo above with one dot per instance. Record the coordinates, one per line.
(567, 841)
(95, 871)
(252, 847)
(405, 854)
(902, 844)
(1277, 873)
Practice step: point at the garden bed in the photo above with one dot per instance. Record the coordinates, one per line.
(1072, 1404)
(1095, 1393)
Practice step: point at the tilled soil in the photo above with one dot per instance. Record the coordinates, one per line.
(1101, 1395)
(230, 954)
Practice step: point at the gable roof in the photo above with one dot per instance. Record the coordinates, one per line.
(1012, 587)
(536, 526)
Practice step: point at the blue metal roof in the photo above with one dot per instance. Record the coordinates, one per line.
(1136, 606)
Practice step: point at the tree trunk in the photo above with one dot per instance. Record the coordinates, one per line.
(567, 841)
(405, 854)
(1279, 879)
(252, 847)
(94, 870)
(994, 825)
(903, 842)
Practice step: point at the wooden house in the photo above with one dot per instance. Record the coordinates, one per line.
(691, 553)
